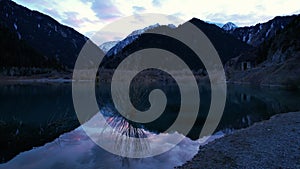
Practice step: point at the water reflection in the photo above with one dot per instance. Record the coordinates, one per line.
(34, 114)
(124, 145)
(76, 150)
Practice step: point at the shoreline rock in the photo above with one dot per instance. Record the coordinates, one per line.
(274, 143)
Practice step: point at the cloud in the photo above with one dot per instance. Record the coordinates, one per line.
(44, 6)
(86, 1)
(176, 18)
(260, 8)
(238, 19)
(105, 10)
(296, 12)
(52, 13)
(73, 19)
(156, 3)
(40, 2)
(138, 9)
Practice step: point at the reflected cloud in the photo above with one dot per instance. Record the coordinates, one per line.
(124, 145)
(76, 150)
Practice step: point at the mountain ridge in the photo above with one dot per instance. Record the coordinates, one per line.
(226, 45)
(257, 34)
(43, 33)
(274, 62)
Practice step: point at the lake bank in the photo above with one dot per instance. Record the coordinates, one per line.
(67, 78)
(274, 143)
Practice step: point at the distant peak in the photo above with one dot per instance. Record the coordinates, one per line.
(106, 46)
(229, 26)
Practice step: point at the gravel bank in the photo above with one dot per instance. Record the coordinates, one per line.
(274, 143)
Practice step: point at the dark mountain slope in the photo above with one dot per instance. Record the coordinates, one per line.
(17, 54)
(226, 45)
(256, 35)
(41, 32)
(275, 62)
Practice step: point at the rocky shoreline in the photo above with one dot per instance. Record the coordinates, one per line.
(274, 143)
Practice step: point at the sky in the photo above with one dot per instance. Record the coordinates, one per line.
(88, 16)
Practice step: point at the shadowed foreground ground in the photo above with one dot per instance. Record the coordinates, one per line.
(269, 144)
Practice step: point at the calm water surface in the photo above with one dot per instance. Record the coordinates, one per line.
(42, 116)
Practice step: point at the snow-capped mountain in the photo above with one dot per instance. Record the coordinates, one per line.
(226, 45)
(130, 38)
(229, 26)
(121, 44)
(276, 61)
(255, 35)
(106, 46)
(140, 31)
